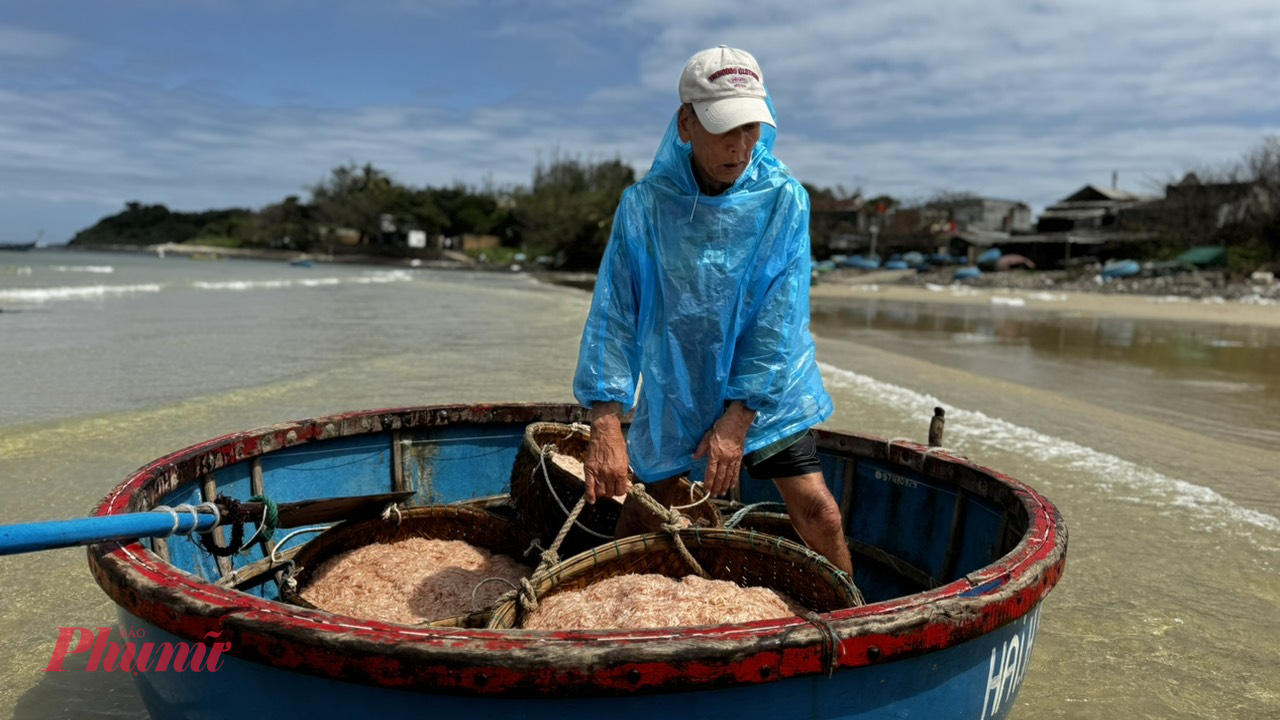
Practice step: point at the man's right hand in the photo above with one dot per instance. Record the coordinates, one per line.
(606, 468)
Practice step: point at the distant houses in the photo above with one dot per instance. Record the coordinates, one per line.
(397, 239)
(1202, 207)
(985, 215)
(1089, 208)
(1085, 226)
(880, 227)
(1092, 224)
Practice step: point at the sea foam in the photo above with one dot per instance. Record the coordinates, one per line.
(100, 269)
(1106, 471)
(82, 292)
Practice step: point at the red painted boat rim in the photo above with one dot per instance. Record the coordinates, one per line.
(539, 663)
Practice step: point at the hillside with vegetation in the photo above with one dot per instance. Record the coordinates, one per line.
(565, 215)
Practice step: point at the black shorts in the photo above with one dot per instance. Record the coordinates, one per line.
(798, 458)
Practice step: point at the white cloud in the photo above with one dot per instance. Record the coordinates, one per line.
(1026, 101)
(1022, 101)
(25, 43)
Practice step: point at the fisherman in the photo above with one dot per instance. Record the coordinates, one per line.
(700, 316)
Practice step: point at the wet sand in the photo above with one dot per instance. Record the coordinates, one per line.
(1068, 303)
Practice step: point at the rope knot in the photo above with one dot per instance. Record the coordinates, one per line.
(527, 596)
(270, 517)
(231, 509)
(673, 521)
(672, 524)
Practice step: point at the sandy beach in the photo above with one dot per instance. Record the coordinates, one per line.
(1081, 304)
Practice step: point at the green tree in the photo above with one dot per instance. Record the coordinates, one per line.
(470, 211)
(568, 213)
(140, 224)
(287, 224)
(354, 197)
(833, 213)
(1235, 205)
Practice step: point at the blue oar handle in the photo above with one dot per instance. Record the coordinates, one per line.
(48, 535)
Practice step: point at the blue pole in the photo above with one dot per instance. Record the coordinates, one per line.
(52, 534)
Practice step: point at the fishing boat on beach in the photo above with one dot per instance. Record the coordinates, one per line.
(952, 559)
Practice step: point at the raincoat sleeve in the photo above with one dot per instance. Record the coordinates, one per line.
(608, 357)
(775, 339)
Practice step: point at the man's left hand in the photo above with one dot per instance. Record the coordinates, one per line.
(723, 447)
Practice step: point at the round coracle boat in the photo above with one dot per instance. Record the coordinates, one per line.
(952, 562)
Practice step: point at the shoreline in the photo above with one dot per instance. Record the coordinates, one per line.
(448, 260)
(1009, 291)
(889, 287)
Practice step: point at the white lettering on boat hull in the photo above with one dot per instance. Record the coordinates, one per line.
(1008, 665)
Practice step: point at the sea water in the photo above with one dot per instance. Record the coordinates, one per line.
(1163, 468)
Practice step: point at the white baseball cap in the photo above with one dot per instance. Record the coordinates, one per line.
(726, 88)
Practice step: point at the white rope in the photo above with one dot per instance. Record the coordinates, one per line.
(888, 444)
(289, 537)
(705, 497)
(542, 463)
(256, 531)
(392, 508)
(172, 514)
(213, 509)
(949, 451)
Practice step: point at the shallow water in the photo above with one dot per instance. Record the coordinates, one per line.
(1159, 460)
(1217, 379)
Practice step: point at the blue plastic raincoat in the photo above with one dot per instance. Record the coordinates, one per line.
(701, 300)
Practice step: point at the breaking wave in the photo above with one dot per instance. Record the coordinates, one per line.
(78, 292)
(976, 428)
(388, 276)
(99, 269)
(35, 296)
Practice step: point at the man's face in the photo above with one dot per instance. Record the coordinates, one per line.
(718, 160)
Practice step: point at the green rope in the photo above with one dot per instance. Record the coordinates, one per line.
(272, 521)
(732, 522)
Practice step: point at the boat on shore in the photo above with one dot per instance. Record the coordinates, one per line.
(954, 560)
(1113, 269)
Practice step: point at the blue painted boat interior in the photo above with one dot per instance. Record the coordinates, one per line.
(924, 532)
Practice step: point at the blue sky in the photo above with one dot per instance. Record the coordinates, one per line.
(202, 104)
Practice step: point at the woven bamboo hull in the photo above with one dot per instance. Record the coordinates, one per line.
(966, 556)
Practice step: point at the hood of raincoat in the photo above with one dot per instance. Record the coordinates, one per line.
(702, 300)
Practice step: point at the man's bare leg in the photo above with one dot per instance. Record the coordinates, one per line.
(816, 517)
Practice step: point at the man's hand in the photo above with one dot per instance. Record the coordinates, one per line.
(722, 446)
(606, 468)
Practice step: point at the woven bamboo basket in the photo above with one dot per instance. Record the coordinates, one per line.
(745, 558)
(544, 491)
(473, 526)
(769, 523)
